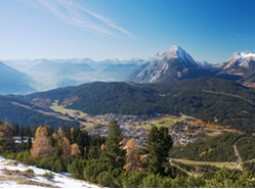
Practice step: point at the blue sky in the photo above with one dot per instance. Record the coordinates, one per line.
(209, 30)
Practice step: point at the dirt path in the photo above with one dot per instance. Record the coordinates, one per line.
(185, 171)
(237, 154)
(229, 94)
(229, 165)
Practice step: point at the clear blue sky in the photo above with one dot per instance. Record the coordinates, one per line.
(208, 29)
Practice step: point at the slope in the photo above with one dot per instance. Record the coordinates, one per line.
(13, 81)
(13, 110)
(210, 99)
(17, 175)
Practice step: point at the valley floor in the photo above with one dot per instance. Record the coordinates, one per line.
(17, 175)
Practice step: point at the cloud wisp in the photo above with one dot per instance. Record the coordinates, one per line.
(242, 36)
(74, 14)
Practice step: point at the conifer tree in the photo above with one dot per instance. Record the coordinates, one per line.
(158, 145)
(6, 141)
(81, 138)
(113, 153)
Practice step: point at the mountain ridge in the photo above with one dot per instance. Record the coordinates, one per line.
(172, 64)
(209, 99)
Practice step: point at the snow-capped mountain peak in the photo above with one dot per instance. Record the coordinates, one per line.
(243, 55)
(173, 64)
(241, 59)
(175, 52)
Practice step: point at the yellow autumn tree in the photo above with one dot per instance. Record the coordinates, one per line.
(75, 150)
(41, 146)
(132, 156)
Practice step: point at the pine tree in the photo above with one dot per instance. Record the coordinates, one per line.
(113, 153)
(6, 141)
(158, 145)
(96, 144)
(63, 142)
(81, 138)
(15, 129)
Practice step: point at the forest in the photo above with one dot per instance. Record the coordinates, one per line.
(209, 99)
(111, 161)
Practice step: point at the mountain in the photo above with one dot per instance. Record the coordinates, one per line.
(170, 65)
(25, 113)
(176, 64)
(13, 81)
(14, 110)
(210, 99)
(72, 72)
(205, 64)
(173, 64)
(241, 65)
(123, 70)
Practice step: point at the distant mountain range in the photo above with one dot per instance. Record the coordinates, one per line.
(177, 64)
(51, 74)
(13, 81)
(173, 64)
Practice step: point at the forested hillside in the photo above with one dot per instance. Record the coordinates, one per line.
(13, 110)
(210, 99)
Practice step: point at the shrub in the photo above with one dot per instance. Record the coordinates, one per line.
(94, 168)
(48, 175)
(132, 179)
(152, 181)
(106, 179)
(76, 168)
(29, 173)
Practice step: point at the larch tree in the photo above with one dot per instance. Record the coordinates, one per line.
(132, 156)
(42, 146)
(75, 150)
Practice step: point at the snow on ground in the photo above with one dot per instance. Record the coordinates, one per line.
(16, 175)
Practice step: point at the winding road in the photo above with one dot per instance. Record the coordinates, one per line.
(236, 165)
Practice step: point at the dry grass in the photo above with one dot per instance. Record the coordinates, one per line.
(12, 163)
(22, 180)
(35, 183)
(164, 121)
(72, 113)
(27, 173)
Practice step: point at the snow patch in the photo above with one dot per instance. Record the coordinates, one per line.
(59, 180)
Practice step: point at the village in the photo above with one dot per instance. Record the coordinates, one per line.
(182, 129)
